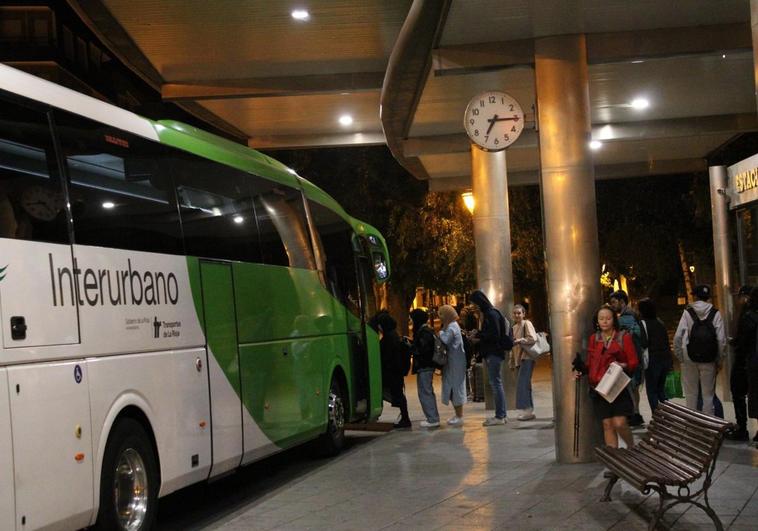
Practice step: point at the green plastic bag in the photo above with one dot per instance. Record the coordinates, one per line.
(674, 385)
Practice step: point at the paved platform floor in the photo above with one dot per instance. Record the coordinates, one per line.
(465, 478)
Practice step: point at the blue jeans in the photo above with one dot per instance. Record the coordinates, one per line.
(426, 395)
(524, 385)
(496, 382)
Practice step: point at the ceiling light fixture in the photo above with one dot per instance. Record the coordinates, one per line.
(108, 204)
(640, 103)
(595, 145)
(346, 119)
(300, 14)
(238, 219)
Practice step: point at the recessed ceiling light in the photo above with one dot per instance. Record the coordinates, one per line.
(108, 204)
(346, 119)
(595, 144)
(723, 56)
(238, 219)
(640, 103)
(300, 14)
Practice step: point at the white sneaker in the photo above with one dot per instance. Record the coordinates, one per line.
(526, 415)
(494, 421)
(455, 421)
(425, 424)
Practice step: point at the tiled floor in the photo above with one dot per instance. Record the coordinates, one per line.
(472, 477)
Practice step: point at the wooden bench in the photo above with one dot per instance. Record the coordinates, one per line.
(681, 445)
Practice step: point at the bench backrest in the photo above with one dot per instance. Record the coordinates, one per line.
(690, 438)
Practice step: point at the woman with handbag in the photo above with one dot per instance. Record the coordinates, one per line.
(524, 335)
(609, 344)
(454, 371)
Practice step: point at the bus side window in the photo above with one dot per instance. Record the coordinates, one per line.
(335, 236)
(282, 224)
(31, 196)
(120, 188)
(216, 210)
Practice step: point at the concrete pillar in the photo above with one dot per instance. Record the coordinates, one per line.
(722, 254)
(567, 185)
(492, 237)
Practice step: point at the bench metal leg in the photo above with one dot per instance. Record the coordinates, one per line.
(664, 497)
(612, 479)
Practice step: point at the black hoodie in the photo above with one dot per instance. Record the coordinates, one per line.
(493, 325)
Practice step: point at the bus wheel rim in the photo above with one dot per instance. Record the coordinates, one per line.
(130, 490)
(336, 412)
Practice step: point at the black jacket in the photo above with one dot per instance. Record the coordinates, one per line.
(423, 349)
(489, 335)
(657, 344)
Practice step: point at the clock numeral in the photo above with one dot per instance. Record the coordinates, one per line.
(475, 112)
(502, 101)
(507, 138)
(487, 137)
(471, 121)
(510, 107)
(493, 99)
(481, 103)
(476, 132)
(497, 141)
(513, 129)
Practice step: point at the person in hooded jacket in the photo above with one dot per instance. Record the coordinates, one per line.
(424, 367)
(494, 327)
(695, 373)
(394, 366)
(660, 361)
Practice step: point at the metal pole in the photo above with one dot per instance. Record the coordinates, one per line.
(492, 236)
(722, 255)
(567, 185)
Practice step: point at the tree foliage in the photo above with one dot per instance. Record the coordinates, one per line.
(642, 221)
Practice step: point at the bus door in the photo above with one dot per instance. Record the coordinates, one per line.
(223, 365)
(38, 293)
(370, 360)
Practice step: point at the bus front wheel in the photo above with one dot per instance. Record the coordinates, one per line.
(333, 440)
(129, 479)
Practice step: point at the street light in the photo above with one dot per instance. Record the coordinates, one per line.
(468, 199)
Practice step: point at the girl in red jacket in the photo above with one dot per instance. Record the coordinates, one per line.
(607, 345)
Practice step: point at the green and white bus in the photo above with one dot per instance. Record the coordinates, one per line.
(174, 306)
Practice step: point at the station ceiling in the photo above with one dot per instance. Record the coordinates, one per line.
(253, 70)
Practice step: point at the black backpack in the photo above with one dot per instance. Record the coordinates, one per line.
(404, 349)
(505, 341)
(703, 344)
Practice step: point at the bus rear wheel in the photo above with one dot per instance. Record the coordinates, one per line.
(332, 442)
(129, 480)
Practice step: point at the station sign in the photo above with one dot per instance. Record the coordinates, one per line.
(743, 182)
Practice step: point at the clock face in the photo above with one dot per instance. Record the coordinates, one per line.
(493, 120)
(41, 203)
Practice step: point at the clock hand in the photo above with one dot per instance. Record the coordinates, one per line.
(492, 123)
(512, 119)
